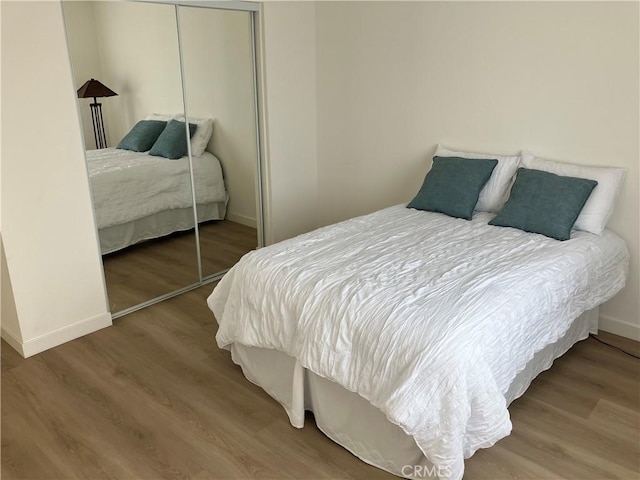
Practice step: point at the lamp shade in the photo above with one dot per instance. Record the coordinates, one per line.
(93, 88)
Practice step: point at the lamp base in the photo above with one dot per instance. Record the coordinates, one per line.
(98, 125)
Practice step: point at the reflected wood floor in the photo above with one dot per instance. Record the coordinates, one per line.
(153, 397)
(163, 265)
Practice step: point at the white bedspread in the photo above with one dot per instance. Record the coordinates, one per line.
(129, 185)
(426, 316)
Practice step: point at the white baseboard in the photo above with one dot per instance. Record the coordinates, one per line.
(619, 327)
(241, 219)
(59, 336)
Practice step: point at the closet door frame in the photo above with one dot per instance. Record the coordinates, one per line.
(241, 5)
(252, 9)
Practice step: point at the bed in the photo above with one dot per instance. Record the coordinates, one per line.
(138, 196)
(409, 332)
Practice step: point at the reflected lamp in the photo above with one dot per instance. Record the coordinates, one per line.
(94, 89)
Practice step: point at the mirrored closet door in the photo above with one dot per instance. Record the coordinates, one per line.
(167, 99)
(217, 62)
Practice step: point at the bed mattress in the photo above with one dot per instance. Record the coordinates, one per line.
(427, 317)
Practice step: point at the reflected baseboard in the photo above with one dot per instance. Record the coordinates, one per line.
(241, 219)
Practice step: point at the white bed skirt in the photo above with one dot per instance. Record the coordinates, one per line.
(158, 225)
(352, 422)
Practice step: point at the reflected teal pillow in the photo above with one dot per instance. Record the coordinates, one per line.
(453, 186)
(142, 136)
(545, 203)
(172, 142)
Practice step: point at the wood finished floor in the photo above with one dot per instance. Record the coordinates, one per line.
(160, 266)
(152, 397)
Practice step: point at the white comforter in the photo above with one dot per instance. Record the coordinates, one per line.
(129, 185)
(426, 316)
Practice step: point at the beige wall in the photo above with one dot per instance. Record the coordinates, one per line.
(138, 45)
(218, 69)
(48, 232)
(8, 313)
(559, 79)
(289, 83)
(85, 56)
(132, 48)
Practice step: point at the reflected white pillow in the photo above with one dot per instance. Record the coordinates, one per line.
(599, 207)
(202, 136)
(496, 191)
(161, 116)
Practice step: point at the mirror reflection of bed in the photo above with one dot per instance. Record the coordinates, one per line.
(174, 140)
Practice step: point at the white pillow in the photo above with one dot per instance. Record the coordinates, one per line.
(202, 134)
(496, 191)
(160, 116)
(599, 207)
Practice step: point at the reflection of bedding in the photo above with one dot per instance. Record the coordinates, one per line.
(428, 317)
(129, 185)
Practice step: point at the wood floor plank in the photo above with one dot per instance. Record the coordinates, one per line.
(10, 358)
(626, 344)
(558, 388)
(59, 427)
(503, 460)
(153, 397)
(19, 451)
(620, 421)
(571, 445)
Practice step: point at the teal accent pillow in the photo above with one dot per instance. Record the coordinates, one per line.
(453, 186)
(545, 203)
(172, 142)
(142, 136)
